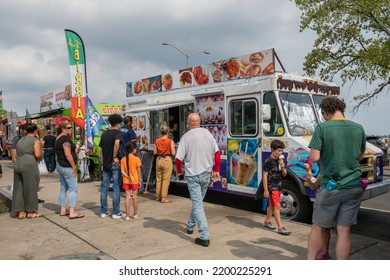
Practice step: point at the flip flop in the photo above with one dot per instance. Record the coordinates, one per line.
(63, 215)
(34, 215)
(167, 200)
(78, 216)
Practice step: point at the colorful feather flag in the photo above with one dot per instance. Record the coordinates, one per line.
(76, 54)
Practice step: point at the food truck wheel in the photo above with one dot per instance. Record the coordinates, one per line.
(293, 205)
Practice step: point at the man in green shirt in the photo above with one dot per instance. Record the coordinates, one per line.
(339, 144)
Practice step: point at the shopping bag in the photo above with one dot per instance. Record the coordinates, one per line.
(42, 167)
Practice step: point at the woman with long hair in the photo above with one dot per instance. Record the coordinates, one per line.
(131, 178)
(66, 166)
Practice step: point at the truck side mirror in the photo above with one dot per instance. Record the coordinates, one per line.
(265, 112)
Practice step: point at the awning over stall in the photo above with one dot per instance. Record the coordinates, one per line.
(156, 107)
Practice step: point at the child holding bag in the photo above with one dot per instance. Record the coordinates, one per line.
(131, 176)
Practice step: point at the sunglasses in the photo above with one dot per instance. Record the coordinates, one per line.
(69, 127)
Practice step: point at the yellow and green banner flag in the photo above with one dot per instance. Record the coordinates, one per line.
(76, 54)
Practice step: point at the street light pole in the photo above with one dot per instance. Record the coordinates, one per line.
(187, 55)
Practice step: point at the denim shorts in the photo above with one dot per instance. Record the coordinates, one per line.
(337, 207)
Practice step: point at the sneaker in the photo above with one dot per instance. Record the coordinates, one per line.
(118, 216)
(284, 231)
(103, 215)
(201, 242)
(269, 225)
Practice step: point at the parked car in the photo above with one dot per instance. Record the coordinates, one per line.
(377, 142)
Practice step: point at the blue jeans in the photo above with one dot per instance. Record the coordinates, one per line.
(197, 186)
(50, 159)
(68, 182)
(114, 173)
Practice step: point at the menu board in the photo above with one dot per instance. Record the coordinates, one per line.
(148, 170)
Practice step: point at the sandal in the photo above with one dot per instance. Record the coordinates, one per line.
(134, 217)
(33, 215)
(78, 216)
(22, 215)
(166, 200)
(127, 218)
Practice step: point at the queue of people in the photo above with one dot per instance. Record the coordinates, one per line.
(199, 152)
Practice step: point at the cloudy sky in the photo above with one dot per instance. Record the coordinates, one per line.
(123, 41)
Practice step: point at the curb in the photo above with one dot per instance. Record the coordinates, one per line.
(6, 197)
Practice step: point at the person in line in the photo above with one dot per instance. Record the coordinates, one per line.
(340, 166)
(128, 136)
(65, 151)
(127, 130)
(48, 151)
(164, 148)
(1, 144)
(274, 170)
(110, 156)
(131, 177)
(15, 140)
(21, 132)
(199, 152)
(26, 175)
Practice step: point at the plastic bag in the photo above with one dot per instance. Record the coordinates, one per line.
(42, 167)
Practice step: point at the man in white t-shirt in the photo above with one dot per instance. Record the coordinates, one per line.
(199, 152)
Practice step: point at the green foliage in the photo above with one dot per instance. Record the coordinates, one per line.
(353, 41)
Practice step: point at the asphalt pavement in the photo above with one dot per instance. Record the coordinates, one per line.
(158, 234)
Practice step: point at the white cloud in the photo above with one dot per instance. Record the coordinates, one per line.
(123, 41)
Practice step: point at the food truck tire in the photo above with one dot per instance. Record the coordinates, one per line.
(293, 205)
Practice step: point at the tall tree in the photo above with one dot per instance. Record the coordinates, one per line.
(353, 41)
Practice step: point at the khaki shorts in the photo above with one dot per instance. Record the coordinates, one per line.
(337, 207)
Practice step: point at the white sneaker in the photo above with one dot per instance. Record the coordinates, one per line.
(119, 216)
(103, 215)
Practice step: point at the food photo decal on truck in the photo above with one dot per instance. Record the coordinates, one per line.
(246, 66)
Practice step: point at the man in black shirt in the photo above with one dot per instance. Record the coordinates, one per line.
(110, 156)
(48, 151)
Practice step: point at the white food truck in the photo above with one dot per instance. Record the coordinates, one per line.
(245, 104)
